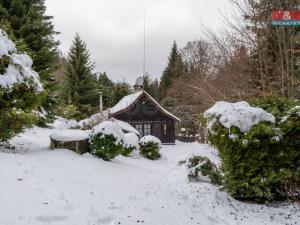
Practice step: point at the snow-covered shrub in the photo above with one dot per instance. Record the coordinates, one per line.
(202, 169)
(20, 90)
(278, 106)
(107, 140)
(149, 147)
(67, 111)
(131, 143)
(259, 150)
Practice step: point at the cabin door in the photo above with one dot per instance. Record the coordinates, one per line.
(165, 132)
(156, 130)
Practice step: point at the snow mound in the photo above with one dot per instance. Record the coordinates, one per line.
(70, 135)
(150, 138)
(62, 123)
(125, 102)
(240, 115)
(126, 126)
(93, 120)
(131, 140)
(108, 128)
(19, 70)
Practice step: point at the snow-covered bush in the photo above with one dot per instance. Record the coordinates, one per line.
(107, 140)
(149, 147)
(20, 90)
(131, 143)
(278, 106)
(259, 151)
(67, 111)
(202, 169)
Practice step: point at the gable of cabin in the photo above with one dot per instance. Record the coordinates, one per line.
(149, 119)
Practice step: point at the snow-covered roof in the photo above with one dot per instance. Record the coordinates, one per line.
(129, 100)
(240, 115)
(70, 135)
(125, 102)
(19, 69)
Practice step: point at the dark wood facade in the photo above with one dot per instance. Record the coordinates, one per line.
(149, 118)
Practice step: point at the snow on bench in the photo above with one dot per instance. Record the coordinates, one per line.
(75, 140)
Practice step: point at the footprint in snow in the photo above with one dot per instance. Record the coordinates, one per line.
(48, 219)
(105, 220)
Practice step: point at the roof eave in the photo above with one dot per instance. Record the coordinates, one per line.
(164, 111)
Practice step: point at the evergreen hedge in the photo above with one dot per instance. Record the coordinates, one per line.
(127, 150)
(264, 163)
(149, 148)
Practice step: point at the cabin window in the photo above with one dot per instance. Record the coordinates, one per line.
(139, 128)
(147, 129)
(143, 128)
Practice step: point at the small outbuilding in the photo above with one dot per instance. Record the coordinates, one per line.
(146, 115)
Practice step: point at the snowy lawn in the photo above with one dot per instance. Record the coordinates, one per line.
(43, 186)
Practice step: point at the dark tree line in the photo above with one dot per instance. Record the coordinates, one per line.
(249, 58)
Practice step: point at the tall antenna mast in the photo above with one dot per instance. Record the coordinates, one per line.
(144, 58)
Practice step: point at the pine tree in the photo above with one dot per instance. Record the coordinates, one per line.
(173, 70)
(155, 89)
(21, 92)
(151, 86)
(80, 84)
(34, 33)
(121, 89)
(147, 83)
(105, 85)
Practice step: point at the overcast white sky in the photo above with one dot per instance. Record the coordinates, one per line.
(113, 30)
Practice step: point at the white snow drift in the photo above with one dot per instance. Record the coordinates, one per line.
(131, 140)
(59, 187)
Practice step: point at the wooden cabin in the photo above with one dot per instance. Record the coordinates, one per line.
(146, 115)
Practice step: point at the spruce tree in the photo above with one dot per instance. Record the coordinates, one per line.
(21, 92)
(151, 86)
(80, 84)
(105, 85)
(121, 89)
(173, 70)
(155, 91)
(147, 85)
(34, 33)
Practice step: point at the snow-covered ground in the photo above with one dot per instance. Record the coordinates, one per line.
(43, 186)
